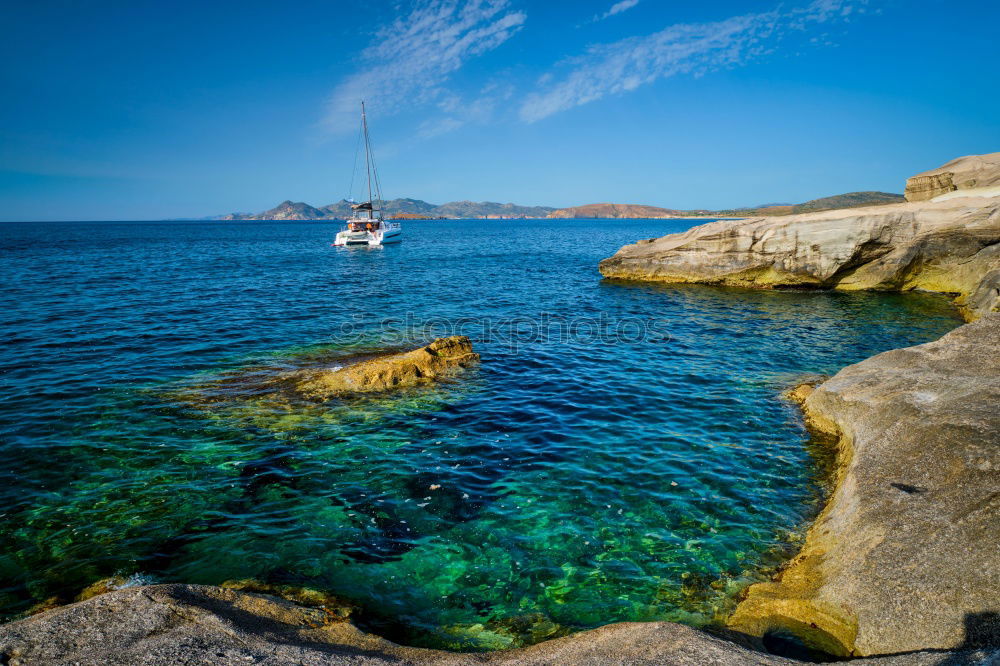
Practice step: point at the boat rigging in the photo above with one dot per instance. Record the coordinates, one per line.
(372, 229)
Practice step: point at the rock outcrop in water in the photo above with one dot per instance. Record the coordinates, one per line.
(195, 624)
(950, 246)
(905, 556)
(440, 358)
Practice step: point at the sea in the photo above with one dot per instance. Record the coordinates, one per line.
(622, 451)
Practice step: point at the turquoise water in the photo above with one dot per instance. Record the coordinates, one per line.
(621, 452)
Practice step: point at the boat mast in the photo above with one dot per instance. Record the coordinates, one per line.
(368, 162)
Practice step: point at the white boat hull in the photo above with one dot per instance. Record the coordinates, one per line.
(356, 233)
(386, 237)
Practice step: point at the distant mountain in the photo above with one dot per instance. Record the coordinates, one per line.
(849, 200)
(775, 209)
(411, 216)
(489, 209)
(289, 210)
(417, 209)
(610, 210)
(342, 208)
(286, 210)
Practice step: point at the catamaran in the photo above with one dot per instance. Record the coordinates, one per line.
(367, 226)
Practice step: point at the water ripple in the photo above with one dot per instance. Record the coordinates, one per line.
(574, 481)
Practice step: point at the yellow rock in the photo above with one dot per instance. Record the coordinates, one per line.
(102, 586)
(799, 394)
(333, 608)
(440, 358)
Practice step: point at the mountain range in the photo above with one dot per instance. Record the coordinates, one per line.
(411, 208)
(617, 211)
(418, 209)
(848, 200)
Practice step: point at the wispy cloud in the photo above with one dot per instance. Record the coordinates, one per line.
(625, 65)
(617, 8)
(456, 111)
(410, 60)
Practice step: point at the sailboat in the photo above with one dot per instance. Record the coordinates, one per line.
(367, 226)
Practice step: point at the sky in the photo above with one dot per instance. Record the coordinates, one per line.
(134, 110)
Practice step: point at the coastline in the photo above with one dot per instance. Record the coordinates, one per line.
(950, 246)
(899, 567)
(186, 623)
(198, 624)
(900, 557)
(903, 555)
(454, 219)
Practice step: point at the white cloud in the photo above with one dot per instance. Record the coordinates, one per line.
(479, 110)
(410, 60)
(622, 66)
(436, 126)
(617, 8)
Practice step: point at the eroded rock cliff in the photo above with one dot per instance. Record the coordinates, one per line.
(950, 246)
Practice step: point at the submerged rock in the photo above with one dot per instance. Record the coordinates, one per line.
(196, 624)
(906, 554)
(102, 586)
(950, 246)
(440, 358)
(281, 393)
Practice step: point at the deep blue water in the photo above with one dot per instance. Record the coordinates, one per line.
(621, 453)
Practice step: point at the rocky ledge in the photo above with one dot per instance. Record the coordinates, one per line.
(195, 624)
(906, 554)
(950, 244)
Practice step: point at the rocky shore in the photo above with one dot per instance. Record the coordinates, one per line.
(973, 172)
(906, 554)
(951, 246)
(903, 562)
(196, 624)
(901, 568)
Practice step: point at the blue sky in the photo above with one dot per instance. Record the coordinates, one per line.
(145, 110)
